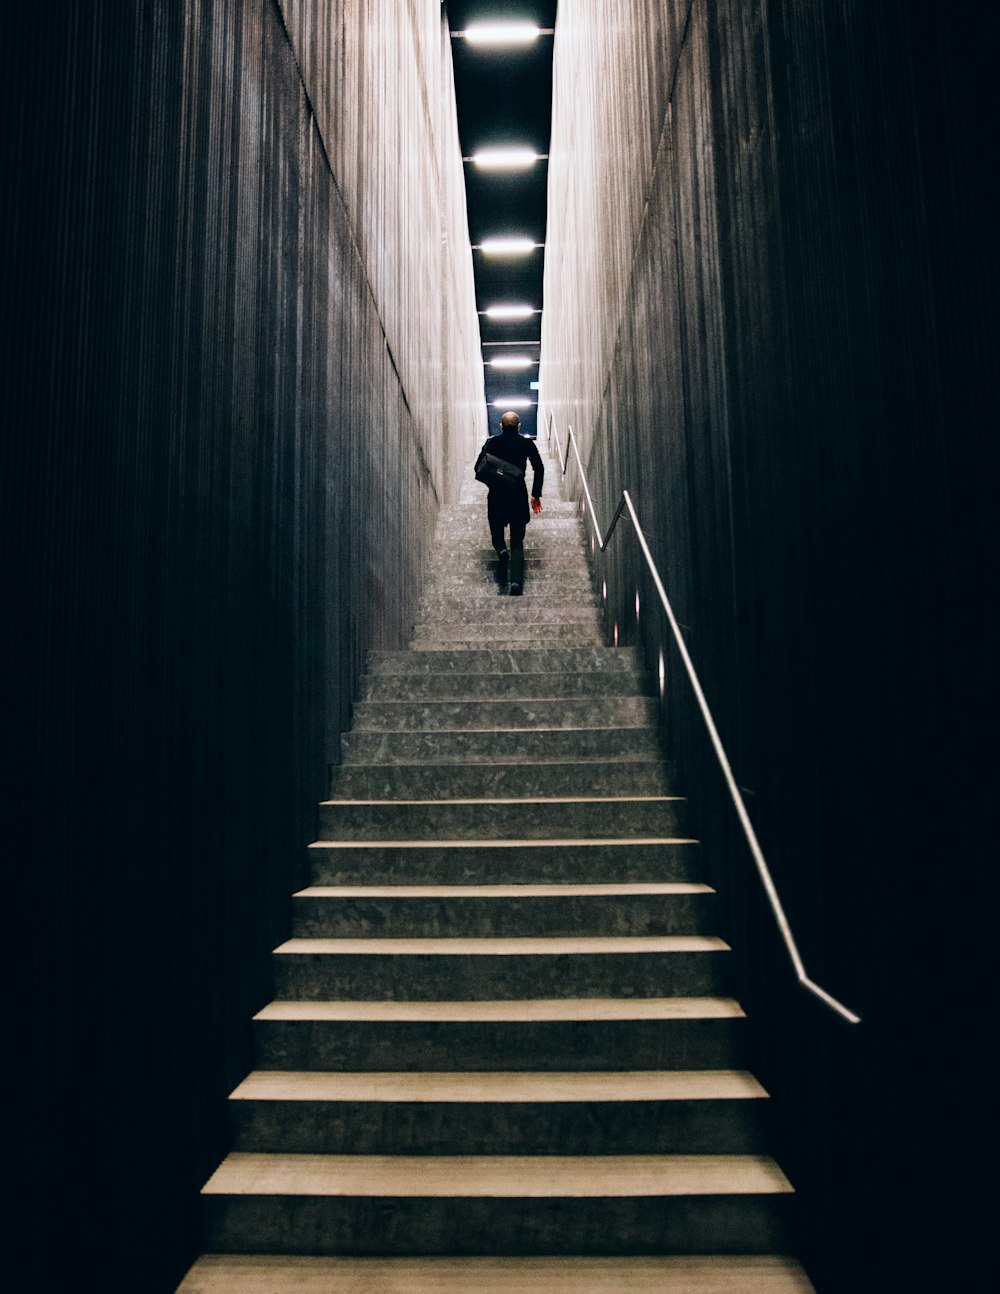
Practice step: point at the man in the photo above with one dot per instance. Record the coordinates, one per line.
(509, 507)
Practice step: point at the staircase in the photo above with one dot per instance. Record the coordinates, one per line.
(502, 1054)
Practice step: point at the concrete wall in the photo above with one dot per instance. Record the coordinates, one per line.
(767, 316)
(242, 374)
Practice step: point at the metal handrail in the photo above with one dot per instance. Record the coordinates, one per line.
(764, 872)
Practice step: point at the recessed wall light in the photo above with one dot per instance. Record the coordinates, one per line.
(512, 402)
(512, 361)
(502, 33)
(507, 246)
(510, 312)
(505, 159)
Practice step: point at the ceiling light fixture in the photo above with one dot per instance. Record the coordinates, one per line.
(502, 33)
(505, 159)
(513, 402)
(510, 312)
(512, 361)
(507, 246)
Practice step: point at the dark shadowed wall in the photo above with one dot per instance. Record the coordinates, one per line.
(769, 313)
(241, 374)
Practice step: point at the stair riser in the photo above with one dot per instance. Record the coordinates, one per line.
(717, 1127)
(499, 820)
(554, 549)
(566, 660)
(506, 635)
(485, 687)
(532, 608)
(351, 1225)
(469, 544)
(599, 745)
(674, 914)
(545, 1045)
(475, 594)
(493, 864)
(553, 507)
(472, 507)
(567, 557)
(494, 715)
(471, 977)
(472, 522)
(479, 579)
(485, 781)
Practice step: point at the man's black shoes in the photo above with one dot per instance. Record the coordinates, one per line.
(515, 590)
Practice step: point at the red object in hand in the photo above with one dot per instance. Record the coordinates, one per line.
(536, 505)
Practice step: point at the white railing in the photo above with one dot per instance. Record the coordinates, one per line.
(763, 871)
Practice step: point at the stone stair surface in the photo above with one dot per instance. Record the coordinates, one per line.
(503, 1051)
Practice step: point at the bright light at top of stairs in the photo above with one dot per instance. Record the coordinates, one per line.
(512, 402)
(510, 312)
(505, 159)
(502, 33)
(512, 361)
(508, 246)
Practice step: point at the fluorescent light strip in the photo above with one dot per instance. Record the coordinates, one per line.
(512, 361)
(513, 402)
(510, 312)
(508, 246)
(502, 33)
(505, 159)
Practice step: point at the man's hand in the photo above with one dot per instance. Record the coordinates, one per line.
(536, 505)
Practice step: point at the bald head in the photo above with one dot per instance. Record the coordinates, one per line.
(510, 422)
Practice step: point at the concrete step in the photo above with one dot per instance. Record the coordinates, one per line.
(498, 968)
(525, 819)
(464, 575)
(686, 1274)
(546, 745)
(707, 1112)
(494, 781)
(537, 605)
(472, 551)
(471, 557)
(471, 1204)
(482, 687)
(487, 862)
(473, 520)
(483, 911)
(558, 1034)
(482, 595)
(504, 714)
(505, 636)
(484, 661)
(476, 507)
(556, 538)
(510, 613)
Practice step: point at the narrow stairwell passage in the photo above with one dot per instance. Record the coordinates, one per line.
(503, 1053)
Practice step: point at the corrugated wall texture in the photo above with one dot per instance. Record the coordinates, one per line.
(241, 372)
(769, 312)
(379, 77)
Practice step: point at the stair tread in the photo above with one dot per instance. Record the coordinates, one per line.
(464, 679)
(507, 1088)
(641, 761)
(529, 890)
(280, 1274)
(532, 799)
(514, 1010)
(539, 729)
(560, 842)
(497, 1176)
(623, 658)
(535, 945)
